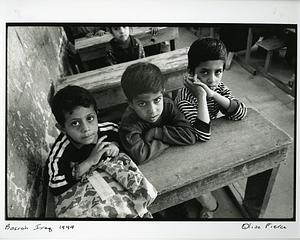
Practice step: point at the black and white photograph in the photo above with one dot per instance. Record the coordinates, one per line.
(171, 128)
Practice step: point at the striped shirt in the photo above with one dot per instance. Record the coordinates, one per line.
(63, 152)
(188, 105)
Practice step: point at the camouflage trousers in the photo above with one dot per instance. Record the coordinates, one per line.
(132, 193)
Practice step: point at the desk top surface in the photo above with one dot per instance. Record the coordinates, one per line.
(85, 42)
(232, 143)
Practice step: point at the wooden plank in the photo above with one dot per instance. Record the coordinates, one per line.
(94, 47)
(110, 77)
(238, 143)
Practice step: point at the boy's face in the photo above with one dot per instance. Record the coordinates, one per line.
(120, 33)
(210, 73)
(81, 125)
(148, 106)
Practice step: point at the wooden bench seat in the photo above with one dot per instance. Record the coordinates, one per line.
(238, 149)
(270, 45)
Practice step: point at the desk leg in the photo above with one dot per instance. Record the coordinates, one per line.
(258, 191)
(245, 63)
(172, 44)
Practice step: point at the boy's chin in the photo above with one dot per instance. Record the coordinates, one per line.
(153, 120)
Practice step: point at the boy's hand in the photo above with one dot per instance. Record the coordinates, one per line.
(89, 35)
(100, 33)
(99, 150)
(196, 90)
(112, 150)
(154, 30)
(210, 93)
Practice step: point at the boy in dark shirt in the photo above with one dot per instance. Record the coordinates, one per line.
(151, 123)
(123, 47)
(82, 141)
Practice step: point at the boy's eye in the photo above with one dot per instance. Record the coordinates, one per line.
(75, 123)
(157, 100)
(142, 104)
(90, 118)
(203, 72)
(218, 72)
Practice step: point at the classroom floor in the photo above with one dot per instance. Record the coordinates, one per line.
(274, 104)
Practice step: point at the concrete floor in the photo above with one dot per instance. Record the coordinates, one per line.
(275, 105)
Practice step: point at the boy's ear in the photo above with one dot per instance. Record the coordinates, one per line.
(60, 127)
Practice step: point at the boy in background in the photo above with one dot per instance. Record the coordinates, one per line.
(123, 47)
(151, 123)
(205, 95)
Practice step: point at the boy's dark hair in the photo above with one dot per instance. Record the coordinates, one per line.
(205, 49)
(67, 99)
(142, 77)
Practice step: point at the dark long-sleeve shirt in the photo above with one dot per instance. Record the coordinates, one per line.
(116, 52)
(63, 152)
(170, 129)
(188, 105)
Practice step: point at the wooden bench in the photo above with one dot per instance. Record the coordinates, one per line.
(270, 45)
(94, 47)
(106, 82)
(252, 148)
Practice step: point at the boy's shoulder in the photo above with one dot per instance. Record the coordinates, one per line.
(135, 41)
(61, 145)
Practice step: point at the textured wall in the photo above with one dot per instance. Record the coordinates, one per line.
(35, 57)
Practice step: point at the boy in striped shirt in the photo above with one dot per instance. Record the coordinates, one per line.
(82, 143)
(205, 95)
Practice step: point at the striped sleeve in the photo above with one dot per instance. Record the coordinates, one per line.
(239, 113)
(237, 110)
(111, 130)
(184, 102)
(58, 181)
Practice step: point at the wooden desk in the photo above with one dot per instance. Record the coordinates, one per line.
(106, 82)
(237, 150)
(94, 47)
